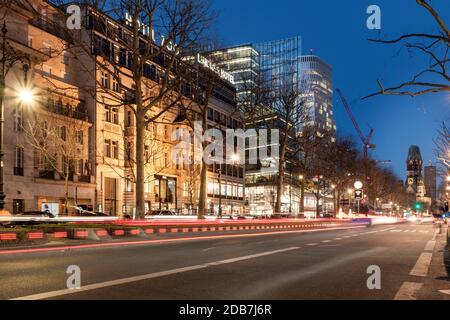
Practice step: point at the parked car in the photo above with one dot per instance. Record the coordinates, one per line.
(29, 218)
(164, 213)
(91, 214)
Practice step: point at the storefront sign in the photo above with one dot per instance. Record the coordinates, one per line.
(215, 68)
(147, 31)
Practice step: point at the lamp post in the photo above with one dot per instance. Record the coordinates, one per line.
(25, 96)
(302, 194)
(333, 187)
(358, 186)
(235, 159)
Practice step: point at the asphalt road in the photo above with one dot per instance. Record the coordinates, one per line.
(320, 265)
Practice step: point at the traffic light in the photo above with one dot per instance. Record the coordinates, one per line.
(418, 206)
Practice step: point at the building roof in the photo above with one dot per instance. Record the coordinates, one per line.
(414, 154)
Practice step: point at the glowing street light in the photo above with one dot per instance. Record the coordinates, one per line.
(235, 157)
(358, 185)
(26, 96)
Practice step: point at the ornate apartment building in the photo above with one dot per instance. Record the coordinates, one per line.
(35, 180)
(73, 84)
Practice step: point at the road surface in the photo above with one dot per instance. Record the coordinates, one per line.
(319, 265)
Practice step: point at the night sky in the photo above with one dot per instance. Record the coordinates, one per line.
(337, 32)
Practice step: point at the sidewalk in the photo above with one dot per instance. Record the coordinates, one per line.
(438, 278)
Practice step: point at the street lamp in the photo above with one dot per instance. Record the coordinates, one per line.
(333, 187)
(358, 186)
(26, 96)
(302, 193)
(235, 159)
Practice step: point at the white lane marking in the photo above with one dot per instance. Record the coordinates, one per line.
(445, 291)
(396, 230)
(408, 291)
(422, 265)
(435, 235)
(326, 241)
(430, 245)
(337, 239)
(312, 244)
(154, 275)
(406, 231)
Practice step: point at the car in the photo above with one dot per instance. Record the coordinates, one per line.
(91, 214)
(29, 218)
(226, 217)
(43, 214)
(163, 213)
(327, 215)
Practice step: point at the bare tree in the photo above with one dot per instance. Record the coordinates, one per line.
(435, 46)
(58, 134)
(144, 60)
(442, 146)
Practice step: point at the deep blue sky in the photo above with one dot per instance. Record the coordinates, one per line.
(337, 32)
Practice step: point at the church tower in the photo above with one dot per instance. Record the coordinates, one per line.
(414, 180)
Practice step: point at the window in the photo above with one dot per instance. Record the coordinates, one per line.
(128, 156)
(116, 84)
(65, 58)
(128, 185)
(112, 115)
(62, 133)
(107, 151)
(80, 169)
(105, 80)
(18, 118)
(147, 154)
(147, 186)
(18, 161)
(80, 137)
(129, 118)
(115, 149)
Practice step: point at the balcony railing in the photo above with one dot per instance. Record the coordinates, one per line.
(86, 179)
(79, 112)
(47, 174)
(49, 26)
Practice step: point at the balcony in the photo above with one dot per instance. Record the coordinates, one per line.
(79, 112)
(50, 27)
(47, 174)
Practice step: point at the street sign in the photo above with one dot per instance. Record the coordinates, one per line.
(345, 202)
(358, 194)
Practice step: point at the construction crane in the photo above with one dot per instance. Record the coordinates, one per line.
(365, 140)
